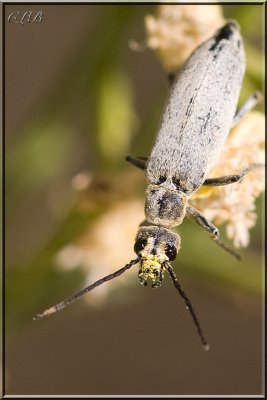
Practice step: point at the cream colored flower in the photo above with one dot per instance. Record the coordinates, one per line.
(106, 247)
(178, 29)
(234, 204)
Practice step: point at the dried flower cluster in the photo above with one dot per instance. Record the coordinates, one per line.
(107, 245)
(178, 29)
(234, 204)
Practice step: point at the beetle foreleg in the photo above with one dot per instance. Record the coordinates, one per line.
(193, 214)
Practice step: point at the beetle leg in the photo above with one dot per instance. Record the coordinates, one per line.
(193, 214)
(228, 179)
(251, 102)
(139, 162)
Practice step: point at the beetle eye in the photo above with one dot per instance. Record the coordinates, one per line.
(139, 245)
(170, 252)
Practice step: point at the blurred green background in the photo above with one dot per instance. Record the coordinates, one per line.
(78, 99)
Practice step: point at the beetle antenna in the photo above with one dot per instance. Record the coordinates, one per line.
(82, 292)
(188, 303)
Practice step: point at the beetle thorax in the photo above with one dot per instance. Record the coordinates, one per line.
(165, 207)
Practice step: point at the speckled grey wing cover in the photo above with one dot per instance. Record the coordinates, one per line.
(199, 113)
